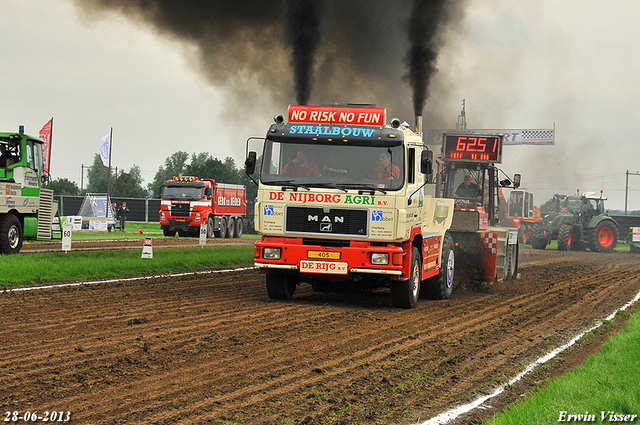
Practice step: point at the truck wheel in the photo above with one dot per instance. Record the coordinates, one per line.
(239, 226)
(605, 237)
(10, 234)
(404, 294)
(440, 287)
(210, 228)
(564, 237)
(231, 228)
(280, 286)
(222, 232)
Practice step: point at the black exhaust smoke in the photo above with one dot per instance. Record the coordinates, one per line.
(425, 22)
(362, 49)
(302, 33)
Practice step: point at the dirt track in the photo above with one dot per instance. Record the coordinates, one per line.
(214, 349)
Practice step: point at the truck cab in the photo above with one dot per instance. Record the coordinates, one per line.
(27, 208)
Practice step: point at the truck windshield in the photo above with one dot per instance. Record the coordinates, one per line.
(182, 193)
(337, 166)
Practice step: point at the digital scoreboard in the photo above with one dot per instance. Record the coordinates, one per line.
(472, 148)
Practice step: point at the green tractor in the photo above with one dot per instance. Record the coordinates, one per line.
(578, 222)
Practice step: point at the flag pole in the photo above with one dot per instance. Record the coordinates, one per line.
(49, 158)
(106, 212)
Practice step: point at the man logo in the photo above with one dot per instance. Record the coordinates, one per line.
(268, 210)
(376, 216)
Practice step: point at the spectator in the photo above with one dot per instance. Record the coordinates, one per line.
(122, 215)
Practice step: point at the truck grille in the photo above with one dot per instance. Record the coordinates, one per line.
(327, 221)
(180, 210)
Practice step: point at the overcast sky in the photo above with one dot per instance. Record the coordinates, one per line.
(530, 64)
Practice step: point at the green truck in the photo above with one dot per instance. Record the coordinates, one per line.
(578, 222)
(27, 207)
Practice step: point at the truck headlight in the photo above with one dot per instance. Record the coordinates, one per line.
(198, 217)
(271, 253)
(379, 258)
(162, 216)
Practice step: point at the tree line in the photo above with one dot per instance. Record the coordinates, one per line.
(129, 184)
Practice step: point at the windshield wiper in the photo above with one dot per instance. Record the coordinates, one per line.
(288, 184)
(361, 187)
(331, 186)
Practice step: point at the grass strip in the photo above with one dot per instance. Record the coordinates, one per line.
(40, 268)
(606, 389)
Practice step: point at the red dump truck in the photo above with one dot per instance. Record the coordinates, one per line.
(188, 202)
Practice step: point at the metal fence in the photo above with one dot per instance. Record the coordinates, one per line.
(143, 210)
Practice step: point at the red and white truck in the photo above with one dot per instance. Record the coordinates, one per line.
(345, 200)
(188, 202)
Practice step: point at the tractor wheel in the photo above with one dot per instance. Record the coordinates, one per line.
(404, 294)
(537, 237)
(523, 235)
(604, 237)
(280, 286)
(440, 287)
(564, 237)
(10, 234)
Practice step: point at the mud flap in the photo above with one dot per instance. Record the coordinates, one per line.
(487, 244)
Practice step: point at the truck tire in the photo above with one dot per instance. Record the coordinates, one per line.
(239, 227)
(210, 228)
(280, 286)
(222, 231)
(440, 287)
(537, 238)
(231, 228)
(404, 294)
(565, 239)
(10, 234)
(604, 237)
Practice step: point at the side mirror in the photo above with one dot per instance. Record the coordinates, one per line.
(250, 163)
(516, 180)
(426, 163)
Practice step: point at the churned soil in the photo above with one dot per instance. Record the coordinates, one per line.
(213, 348)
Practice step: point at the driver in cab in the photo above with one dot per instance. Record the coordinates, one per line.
(300, 166)
(468, 189)
(385, 169)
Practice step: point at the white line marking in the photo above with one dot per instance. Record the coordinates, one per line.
(33, 288)
(455, 412)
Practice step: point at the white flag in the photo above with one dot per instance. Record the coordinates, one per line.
(105, 149)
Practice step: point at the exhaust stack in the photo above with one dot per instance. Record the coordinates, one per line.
(418, 129)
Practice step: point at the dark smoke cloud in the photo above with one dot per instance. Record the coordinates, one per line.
(302, 31)
(425, 22)
(323, 51)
